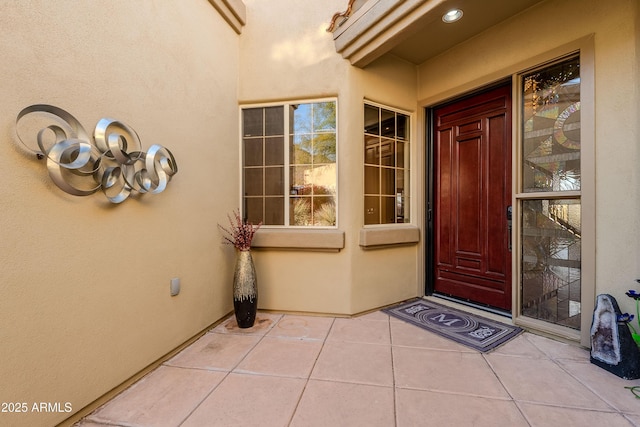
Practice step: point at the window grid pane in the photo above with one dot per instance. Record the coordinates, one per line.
(310, 163)
(386, 160)
(253, 122)
(263, 158)
(313, 170)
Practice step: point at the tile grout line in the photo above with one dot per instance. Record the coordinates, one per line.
(393, 374)
(306, 383)
(325, 380)
(457, 393)
(564, 406)
(595, 393)
(230, 370)
(562, 368)
(630, 420)
(506, 389)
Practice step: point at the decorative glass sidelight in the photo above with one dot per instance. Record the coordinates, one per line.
(550, 194)
(551, 128)
(551, 261)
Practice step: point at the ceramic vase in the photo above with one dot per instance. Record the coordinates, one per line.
(245, 290)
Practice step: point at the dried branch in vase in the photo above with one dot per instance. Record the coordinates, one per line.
(239, 233)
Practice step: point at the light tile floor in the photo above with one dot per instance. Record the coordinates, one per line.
(373, 370)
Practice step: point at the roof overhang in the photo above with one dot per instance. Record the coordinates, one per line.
(233, 11)
(413, 29)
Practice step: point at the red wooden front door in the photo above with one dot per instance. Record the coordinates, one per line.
(472, 192)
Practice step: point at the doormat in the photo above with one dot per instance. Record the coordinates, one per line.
(468, 329)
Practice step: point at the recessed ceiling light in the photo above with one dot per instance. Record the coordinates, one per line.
(452, 16)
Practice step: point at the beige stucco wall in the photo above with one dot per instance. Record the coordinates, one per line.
(387, 274)
(84, 286)
(497, 52)
(286, 54)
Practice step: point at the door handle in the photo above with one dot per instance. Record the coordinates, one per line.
(509, 225)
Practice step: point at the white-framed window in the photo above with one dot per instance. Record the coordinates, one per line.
(386, 165)
(289, 163)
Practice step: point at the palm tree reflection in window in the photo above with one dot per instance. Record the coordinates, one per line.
(312, 158)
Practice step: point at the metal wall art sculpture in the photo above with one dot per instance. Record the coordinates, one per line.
(113, 161)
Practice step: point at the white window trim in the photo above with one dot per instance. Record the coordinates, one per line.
(374, 236)
(285, 103)
(412, 173)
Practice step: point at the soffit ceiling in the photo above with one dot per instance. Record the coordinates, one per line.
(413, 29)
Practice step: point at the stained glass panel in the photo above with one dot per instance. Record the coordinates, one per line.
(551, 224)
(551, 262)
(551, 128)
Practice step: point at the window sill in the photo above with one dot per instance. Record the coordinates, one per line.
(371, 238)
(328, 240)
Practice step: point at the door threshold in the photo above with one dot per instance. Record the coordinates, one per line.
(470, 304)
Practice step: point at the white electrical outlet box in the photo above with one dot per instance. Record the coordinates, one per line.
(175, 286)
